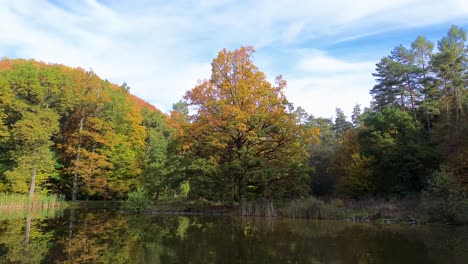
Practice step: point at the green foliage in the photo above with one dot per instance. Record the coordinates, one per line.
(323, 180)
(356, 116)
(138, 201)
(341, 125)
(401, 150)
(444, 196)
(32, 135)
(156, 171)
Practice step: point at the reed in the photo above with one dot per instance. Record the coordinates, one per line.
(261, 207)
(312, 208)
(14, 201)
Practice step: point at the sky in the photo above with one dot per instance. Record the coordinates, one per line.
(325, 50)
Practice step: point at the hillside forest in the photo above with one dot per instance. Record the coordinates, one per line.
(235, 136)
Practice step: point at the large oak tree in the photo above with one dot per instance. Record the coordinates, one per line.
(244, 139)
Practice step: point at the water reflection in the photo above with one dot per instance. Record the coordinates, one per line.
(106, 236)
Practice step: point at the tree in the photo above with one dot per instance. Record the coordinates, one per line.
(323, 182)
(396, 77)
(443, 193)
(6, 104)
(422, 49)
(353, 169)
(450, 66)
(73, 133)
(244, 139)
(6, 99)
(356, 116)
(127, 145)
(385, 92)
(87, 138)
(341, 124)
(32, 155)
(156, 171)
(32, 126)
(403, 155)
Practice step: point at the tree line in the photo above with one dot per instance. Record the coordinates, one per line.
(416, 125)
(66, 131)
(235, 137)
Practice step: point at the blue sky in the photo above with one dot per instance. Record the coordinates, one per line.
(326, 50)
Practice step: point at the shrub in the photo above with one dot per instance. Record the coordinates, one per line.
(443, 196)
(138, 201)
(338, 203)
(461, 212)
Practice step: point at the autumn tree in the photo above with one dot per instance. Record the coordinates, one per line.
(32, 125)
(67, 131)
(86, 136)
(126, 147)
(243, 138)
(352, 168)
(32, 155)
(6, 98)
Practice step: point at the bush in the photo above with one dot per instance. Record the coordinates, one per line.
(138, 201)
(461, 212)
(444, 198)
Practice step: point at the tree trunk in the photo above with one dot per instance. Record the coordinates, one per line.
(411, 92)
(447, 111)
(403, 105)
(428, 122)
(78, 150)
(33, 183)
(28, 229)
(71, 219)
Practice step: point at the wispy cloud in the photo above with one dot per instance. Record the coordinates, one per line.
(161, 48)
(322, 82)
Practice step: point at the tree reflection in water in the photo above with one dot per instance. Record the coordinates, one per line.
(106, 236)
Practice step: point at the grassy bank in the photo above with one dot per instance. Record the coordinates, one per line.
(421, 209)
(409, 210)
(13, 202)
(364, 210)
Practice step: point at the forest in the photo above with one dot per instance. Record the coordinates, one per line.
(235, 137)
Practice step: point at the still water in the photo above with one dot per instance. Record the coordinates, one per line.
(106, 236)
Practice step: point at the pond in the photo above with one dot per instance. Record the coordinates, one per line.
(108, 236)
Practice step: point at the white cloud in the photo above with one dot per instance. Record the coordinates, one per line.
(318, 62)
(293, 31)
(161, 48)
(320, 83)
